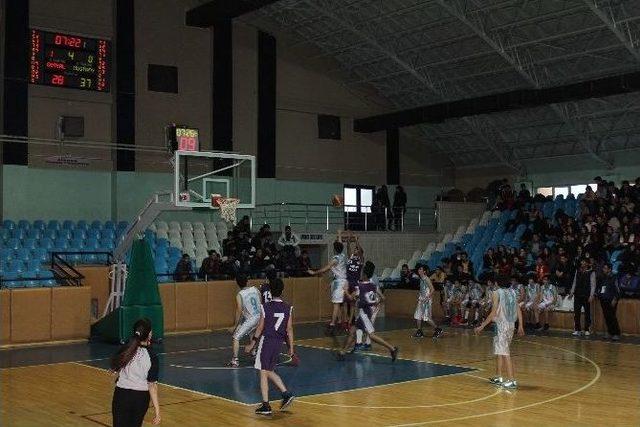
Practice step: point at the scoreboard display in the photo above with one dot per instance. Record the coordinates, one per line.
(70, 61)
(182, 138)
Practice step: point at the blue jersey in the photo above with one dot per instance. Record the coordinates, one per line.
(276, 318)
(367, 294)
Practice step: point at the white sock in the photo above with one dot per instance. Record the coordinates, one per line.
(359, 336)
(476, 315)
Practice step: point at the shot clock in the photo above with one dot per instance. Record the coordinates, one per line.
(182, 138)
(65, 60)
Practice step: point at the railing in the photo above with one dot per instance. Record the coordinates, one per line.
(65, 272)
(308, 217)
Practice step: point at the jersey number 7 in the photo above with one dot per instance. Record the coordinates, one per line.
(280, 317)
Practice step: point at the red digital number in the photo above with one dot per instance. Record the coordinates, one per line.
(57, 79)
(188, 143)
(57, 39)
(60, 39)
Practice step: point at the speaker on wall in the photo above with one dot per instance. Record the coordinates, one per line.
(328, 127)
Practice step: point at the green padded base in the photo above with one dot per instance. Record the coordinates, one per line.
(117, 325)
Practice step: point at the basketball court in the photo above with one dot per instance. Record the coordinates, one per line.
(563, 381)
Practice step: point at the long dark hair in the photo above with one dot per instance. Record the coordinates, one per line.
(141, 331)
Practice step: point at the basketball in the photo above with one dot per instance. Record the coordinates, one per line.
(336, 200)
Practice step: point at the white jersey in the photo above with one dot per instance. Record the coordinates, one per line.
(507, 305)
(250, 297)
(339, 270)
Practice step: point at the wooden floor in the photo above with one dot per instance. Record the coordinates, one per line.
(563, 381)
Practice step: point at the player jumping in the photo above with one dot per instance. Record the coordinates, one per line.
(367, 298)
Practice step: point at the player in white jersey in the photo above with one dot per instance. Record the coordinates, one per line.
(504, 312)
(338, 266)
(548, 300)
(248, 303)
(470, 301)
(531, 301)
(425, 304)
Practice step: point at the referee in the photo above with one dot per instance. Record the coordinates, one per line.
(137, 369)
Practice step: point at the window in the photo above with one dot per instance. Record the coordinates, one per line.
(366, 199)
(560, 191)
(350, 199)
(545, 191)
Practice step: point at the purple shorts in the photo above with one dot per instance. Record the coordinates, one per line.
(268, 353)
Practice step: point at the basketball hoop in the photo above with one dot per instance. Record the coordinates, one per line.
(227, 205)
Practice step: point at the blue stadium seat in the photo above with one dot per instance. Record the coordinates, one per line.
(162, 243)
(61, 244)
(23, 254)
(76, 244)
(109, 225)
(64, 234)
(39, 224)
(91, 244)
(15, 265)
(107, 244)
(93, 233)
(68, 225)
(50, 279)
(10, 279)
(24, 224)
(53, 225)
(45, 243)
(78, 234)
(165, 279)
(4, 233)
(18, 233)
(33, 233)
(49, 234)
(96, 225)
(12, 243)
(8, 224)
(108, 234)
(122, 225)
(30, 277)
(160, 266)
(40, 254)
(29, 244)
(6, 254)
(82, 225)
(177, 253)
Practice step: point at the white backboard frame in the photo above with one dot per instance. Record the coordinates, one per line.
(213, 155)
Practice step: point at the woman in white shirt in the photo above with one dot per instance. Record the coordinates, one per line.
(137, 369)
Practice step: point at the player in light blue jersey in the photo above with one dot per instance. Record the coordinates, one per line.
(504, 312)
(339, 285)
(248, 311)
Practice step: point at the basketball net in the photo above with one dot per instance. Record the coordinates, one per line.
(227, 207)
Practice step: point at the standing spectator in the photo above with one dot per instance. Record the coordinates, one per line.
(305, 263)
(210, 268)
(582, 291)
(609, 294)
(399, 207)
(183, 271)
(382, 197)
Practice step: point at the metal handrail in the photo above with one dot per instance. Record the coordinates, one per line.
(57, 264)
(310, 217)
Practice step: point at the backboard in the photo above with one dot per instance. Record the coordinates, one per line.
(199, 174)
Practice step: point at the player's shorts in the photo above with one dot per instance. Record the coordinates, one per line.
(268, 353)
(502, 339)
(423, 310)
(470, 303)
(546, 305)
(246, 327)
(364, 321)
(338, 287)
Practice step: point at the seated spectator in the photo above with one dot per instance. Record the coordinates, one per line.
(183, 271)
(288, 241)
(211, 266)
(438, 278)
(243, 226)
(407, 277)
(305, 263)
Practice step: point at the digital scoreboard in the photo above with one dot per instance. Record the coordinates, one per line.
(182, 138)
(70, 61)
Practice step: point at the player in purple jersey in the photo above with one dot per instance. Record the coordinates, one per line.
(367, 299)
(354, 271)
(274, 328)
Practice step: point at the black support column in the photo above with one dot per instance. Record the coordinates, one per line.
(266, 105)
(393, 156)
(222, 86)
(16, 87)
(125, 83)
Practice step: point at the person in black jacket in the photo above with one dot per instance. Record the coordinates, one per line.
(582, 291)
(609, 294)
(399, 207)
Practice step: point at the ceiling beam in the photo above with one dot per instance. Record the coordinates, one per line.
(616, 28)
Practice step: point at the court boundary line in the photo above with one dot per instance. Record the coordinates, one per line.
(201, 393)
(594, 380)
